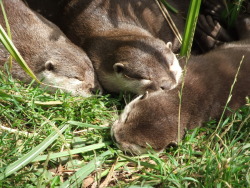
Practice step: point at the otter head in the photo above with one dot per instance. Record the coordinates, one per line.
(149, 121)
(144, 64)
(68, 69)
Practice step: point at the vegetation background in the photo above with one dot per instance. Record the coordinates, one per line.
(56, 140)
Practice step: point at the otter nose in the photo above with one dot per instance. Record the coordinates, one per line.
(96, 90)
(165, 85)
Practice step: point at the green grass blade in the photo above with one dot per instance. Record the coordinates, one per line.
(27, 158)
(5, 19)
(86, 125)
(234, 12)
(5, 95)
(145, 164)
(7, 28)
(5, 40)
(48, 103)
(72, 152)
(192, 16)
(76, 179)
(8, 96)
(170, 7)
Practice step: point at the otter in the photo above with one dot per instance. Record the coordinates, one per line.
(129, 42)
(152, 119)
(51, 10)
(106, 28)
(47, 51)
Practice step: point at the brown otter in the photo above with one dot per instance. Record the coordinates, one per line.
(106, 28)
(127, 41)
(52, 57)
(153, 119)
(51, 10)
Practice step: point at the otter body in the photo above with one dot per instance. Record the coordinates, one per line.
(47, 51)
(153, 119)
(126, 41)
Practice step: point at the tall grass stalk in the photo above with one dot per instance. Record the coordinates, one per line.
(5, 39)
(228, 99)
(8, 30)
(189, 31)
(233, 10)
(190, 26)
(10, 47)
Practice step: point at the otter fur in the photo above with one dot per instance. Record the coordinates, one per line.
(152, 119)
(128, 42)
(51, 56)
(106, 28)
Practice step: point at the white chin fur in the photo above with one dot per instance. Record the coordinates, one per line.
(176, 69)
(119, 83)
(69, 85)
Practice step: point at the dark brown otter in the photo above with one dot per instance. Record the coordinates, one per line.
(52, 57)
(127, 41)
(106, 28)
(152, 119)
(51, 10)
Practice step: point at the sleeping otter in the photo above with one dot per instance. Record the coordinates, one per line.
(152, 119)
(127, 42)
(52, 57)
(124, 39)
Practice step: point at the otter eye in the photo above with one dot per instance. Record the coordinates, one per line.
(127, 72)
(49, 66)
(127, 76)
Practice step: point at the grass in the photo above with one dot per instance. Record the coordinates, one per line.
(85, 146)
(56, 140)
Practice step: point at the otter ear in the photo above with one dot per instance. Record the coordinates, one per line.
(118, 68)
(144, 96)
(50, 65)
(169, 45)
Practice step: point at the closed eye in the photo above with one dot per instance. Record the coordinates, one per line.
(78, 78)
(137, 77)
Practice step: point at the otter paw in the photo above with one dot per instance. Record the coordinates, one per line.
(213, 28)
(214, 8)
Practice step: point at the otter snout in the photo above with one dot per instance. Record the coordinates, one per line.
(167, 85)
(96, 89)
